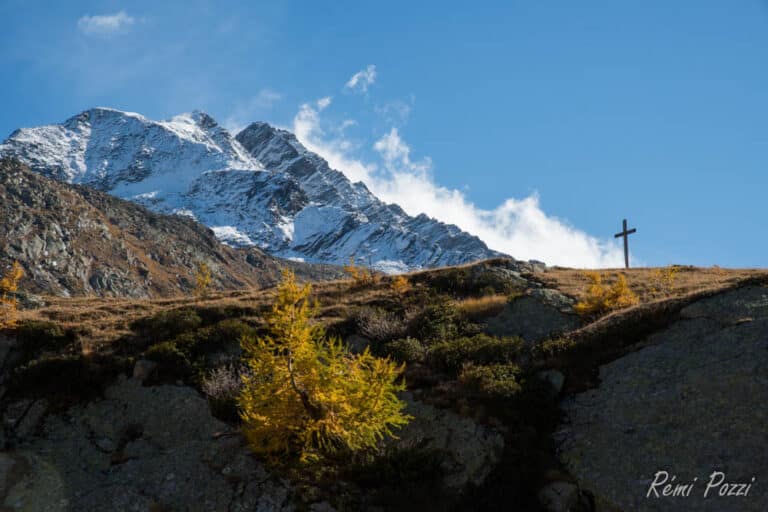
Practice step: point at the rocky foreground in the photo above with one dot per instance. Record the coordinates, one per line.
(676, 385)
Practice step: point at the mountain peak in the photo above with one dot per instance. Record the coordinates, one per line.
(100, 113)
(203, 120)
(190, 165)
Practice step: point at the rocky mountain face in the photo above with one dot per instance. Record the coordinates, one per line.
(261, 188)
(74, 240)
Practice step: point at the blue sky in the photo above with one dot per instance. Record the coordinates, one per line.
(538, 125)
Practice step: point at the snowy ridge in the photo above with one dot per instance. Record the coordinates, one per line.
(260, 188)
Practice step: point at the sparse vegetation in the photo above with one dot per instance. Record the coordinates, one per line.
(601, 298)
(309, 396)
(380, 325)
(9, 285)
(222, 386)
(664, 279)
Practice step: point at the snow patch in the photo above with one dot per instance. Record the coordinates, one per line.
(231, 236)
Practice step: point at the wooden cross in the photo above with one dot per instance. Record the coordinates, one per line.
(625, 233)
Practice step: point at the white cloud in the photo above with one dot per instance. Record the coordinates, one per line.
(248, 111)
(397, 155)
(323, 103)
(518, 227)
(105, 24)
(361, 80)
(306, 126)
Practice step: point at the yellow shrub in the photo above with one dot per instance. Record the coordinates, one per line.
(400, 285)
(307, 395)
(602, 298)
(9, 284)
(202, 280)
(362, 276)
(664, 279)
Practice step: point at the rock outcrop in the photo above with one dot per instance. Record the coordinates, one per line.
(158, 448)
(689, 401)
(73, 240)
(535, 316)
(139, 448)
(470, 450)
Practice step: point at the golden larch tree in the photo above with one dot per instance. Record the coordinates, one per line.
(306, 394)
(203, 280)
(9, 284)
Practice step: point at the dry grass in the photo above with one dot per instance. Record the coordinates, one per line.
(109, 319)
(483, 307)
(609, 336)
(644, 282)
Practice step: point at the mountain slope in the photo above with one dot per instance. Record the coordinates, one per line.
(73, 240)
(262, 188)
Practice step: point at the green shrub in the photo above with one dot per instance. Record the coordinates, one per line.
(167, 325)
(467, 281)
(492, 381)
(479, 349)
(171, 361)
(439, 320)
(407, 350)
(215, 338)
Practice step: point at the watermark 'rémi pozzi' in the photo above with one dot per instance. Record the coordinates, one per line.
(665, 485)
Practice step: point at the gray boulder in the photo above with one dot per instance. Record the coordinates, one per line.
(541, 314)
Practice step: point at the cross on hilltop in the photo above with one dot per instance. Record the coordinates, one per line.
(625, 233)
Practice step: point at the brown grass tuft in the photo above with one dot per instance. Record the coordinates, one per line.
(476, 308)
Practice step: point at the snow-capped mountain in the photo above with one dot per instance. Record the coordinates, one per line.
(259, 188)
